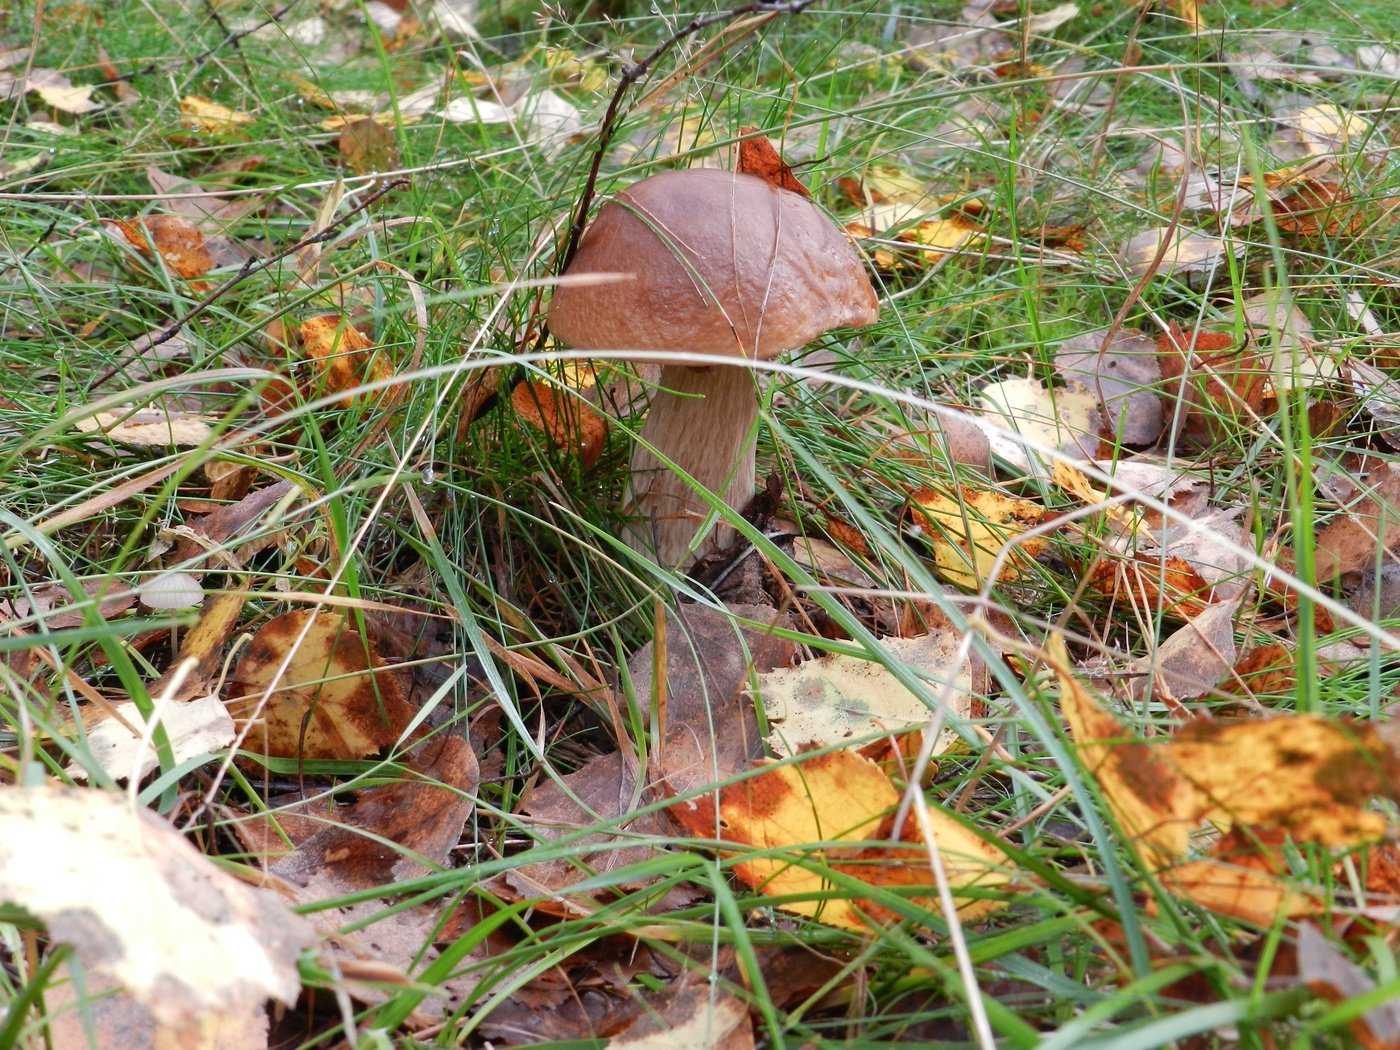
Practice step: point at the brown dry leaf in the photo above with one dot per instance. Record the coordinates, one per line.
(1125, 376)
(967, 532)
(758, 156)
(202, 114)
(1170, 251)
(144, 909)
(1192, 659)
(565, 419)
(368, 146)
(1151, 583)
(150, 428)
(710, 729)
(1337, 979)
(837, 698)
(1366, 532)
(346, 355)
(335, 698)
(388, 835)
(1270, 668)
(799, 810)
(53, 607)
(238, 524)
(177, 241)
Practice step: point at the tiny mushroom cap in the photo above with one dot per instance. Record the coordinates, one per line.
(709, 262)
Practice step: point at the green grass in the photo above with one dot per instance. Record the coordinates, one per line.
(506, 543)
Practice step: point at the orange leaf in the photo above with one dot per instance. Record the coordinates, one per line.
(758, 156)
(345, 352)
(177, 240)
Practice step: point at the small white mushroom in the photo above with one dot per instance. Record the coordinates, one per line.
(172, 590)
(718, 263)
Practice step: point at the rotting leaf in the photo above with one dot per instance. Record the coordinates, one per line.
(801, 813)
(835, 698)
(1171, 251)
(970, 529)
(368, 146)
(185, 939)
(309, 686)
(1223, 386)
(1366, 530)
(1149, 583)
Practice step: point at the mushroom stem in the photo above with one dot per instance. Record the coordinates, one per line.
(702, 420)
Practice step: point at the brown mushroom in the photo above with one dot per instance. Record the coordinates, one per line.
(715, 263)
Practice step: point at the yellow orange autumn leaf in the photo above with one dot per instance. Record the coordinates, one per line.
(345, 353)
(968, 530)
(177, 241)
(564, 419)
(311, 687)
(201, 114)
(799, 815)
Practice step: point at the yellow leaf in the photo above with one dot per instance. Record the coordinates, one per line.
(968, 530)
(802, 813)
(345, 353)
(201, 114)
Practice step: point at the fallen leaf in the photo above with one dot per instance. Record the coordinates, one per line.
(150, 428)
(1192, 659)
(1171, 251)
(565, 419)
(808, 819)
(758, 156)
(185, 939)
(837, 698)
(969, 529)
(548, 120)
(195, 728)
(309, 686)
(202, 114)
(346, 355)
(176, 240)
(1223, 386)
(1153, 806)
(1366, 532)
(368, 146)
(1067, 419)
(58, 91)
(1125, 376)
(1337, 979)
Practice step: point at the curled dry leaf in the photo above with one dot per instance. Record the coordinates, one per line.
(800, 815)
(1223, 386)
(1149, 584)
(564, 418)
(184, 938)
(969, 529)
(346, 355)
(309, 686)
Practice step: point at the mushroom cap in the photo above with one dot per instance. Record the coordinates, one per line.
(717, 263)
